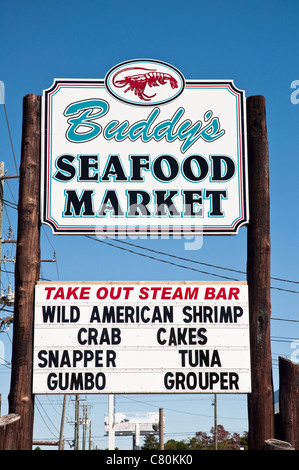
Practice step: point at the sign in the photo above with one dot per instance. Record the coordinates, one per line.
(144, 151)
(130, 425)
(141, 337)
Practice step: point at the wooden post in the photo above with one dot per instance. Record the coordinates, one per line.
(7, 426)
(61, 438)
(21, 399)
(275, 444)
(161, 429)
(260, 401)
(289, 401)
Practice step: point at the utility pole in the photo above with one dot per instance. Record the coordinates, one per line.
(215, 423)
(111, 430)
(76, 437)
(61, 439)
(289, 401)
(84, 423)
(90, 438)
(161, 429)
(19, 434)
(260, 400)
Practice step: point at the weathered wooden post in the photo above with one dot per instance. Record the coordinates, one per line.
(21, 399)
(289, 401)
(260, 401)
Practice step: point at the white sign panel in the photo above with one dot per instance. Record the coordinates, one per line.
(144, 151)
(141, 337)
(128, 425)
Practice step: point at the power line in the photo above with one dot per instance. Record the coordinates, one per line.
(163, 261)
(180, 265)
(47, 417)
(284, 319)
(196, 262)
(10, 204)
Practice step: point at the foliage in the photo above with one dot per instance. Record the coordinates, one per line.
(225, 440)
(150, 443)
(202, 441)
(171, 444)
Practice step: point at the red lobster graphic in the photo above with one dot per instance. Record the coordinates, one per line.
(137, 83)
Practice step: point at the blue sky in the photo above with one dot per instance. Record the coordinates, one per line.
(255, 44)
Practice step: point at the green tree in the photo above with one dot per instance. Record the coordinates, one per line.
(150, 442)
(171, 444)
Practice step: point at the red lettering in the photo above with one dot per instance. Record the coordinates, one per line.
(178, 294)
(84, 293)
(72, 292)
(49, 290)
(127, 291)
(59, 294)
(155, 291)
(221, 294)
(210, 293)
(143, 293)
(234, 293)
(105, 293)
(116, 295)
(166, 293)
(191, 293)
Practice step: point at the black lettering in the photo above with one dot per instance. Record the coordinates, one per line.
(115, 169)
(48, 313)
(216, 198)
(172, 165)
(77, 357)
(108, 315)
(116, 336)
(76, 381)
(53, 358)
(200, 163)
(110, 359)
(136, 206)
(76, 206)
(95, 315)
(188, 316)
(163, 202)
(92, 336)
(159, 333)
(182, 336)
(138, 162)
(238, 312)
(74, 314)
(218, 163)
(233, 381)
(201, 381)
(168, 381)
(79, 336)
(68, 171)
(41, 358)
(192, 198)
(199, 358)
(52, 381)
(110, 203)
(87, 162)
(65, 359)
